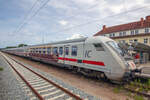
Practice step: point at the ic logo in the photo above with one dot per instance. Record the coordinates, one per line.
(87, 53)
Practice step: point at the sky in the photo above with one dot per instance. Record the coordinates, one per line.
(43, 21)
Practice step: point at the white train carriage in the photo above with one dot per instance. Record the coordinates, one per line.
(99, 56)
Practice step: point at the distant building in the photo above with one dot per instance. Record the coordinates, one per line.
(138, 31)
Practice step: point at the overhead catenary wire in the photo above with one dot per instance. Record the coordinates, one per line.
(26, 22)
(26, 16)
(83, 24)
(33, 15)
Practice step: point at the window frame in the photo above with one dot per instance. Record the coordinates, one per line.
(55, 52)
(120, 33)
(98, 46)
(66, 51)
(132, 32)
(49, 49)
(147, 30)
(146, 39)
(113, 34)
(74, 50)
(136, 31)
(110, 35)
(61, 52)
(124, 33)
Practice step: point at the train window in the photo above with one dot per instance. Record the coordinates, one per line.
(44, 50)
(98, 47)
(55, 50)
(60, 50)
(49, 50)
(67, 50)
(115, 46)
(36, 50)
(39, 50)
(74, 51)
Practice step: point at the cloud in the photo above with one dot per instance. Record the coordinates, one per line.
(63, 22)
(75, 36)
(62, 19)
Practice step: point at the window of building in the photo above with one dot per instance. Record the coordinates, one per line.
(132, 32)
(136, 31)
(55, 50)
(60, 50)
(67, 50)
(120, 34)
(124, 33)
(49, 50)
(98, 47)
(110, 35)
(74, 51)
(146, 30)
(113, 34)
(146, 40)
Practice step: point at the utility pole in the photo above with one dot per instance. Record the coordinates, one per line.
(42, 38)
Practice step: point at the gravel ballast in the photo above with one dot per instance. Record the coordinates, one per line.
(10, 88)
(82, 94)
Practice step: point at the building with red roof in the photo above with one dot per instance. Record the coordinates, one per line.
(138, 31)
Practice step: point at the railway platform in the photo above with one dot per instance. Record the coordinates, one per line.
(145, 70)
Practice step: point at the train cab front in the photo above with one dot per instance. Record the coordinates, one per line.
(124, 60)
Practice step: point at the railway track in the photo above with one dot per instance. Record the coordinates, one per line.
(43, 88)
(138, 92)
(73, 96)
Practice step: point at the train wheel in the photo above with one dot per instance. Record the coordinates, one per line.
(103, 76)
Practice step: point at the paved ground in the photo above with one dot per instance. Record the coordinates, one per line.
(10, 88)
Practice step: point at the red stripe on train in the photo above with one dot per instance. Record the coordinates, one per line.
(93, 62)
(68, 59)
(84, 61)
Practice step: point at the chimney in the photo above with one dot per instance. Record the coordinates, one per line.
(142, 21)
(104, 27)
(148, 18)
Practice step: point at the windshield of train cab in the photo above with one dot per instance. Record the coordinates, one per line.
(115, 46)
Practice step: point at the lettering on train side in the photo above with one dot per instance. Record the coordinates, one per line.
(87, 53)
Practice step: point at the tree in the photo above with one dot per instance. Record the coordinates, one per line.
(11, 47)
(22, 45)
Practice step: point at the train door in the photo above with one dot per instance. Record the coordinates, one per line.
(73, 54)
(66, 57)
(61, 55)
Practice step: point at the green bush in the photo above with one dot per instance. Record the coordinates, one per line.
(1, 68)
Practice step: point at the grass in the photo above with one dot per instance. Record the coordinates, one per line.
(117, 90)
(136, 97)
(1, 69)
